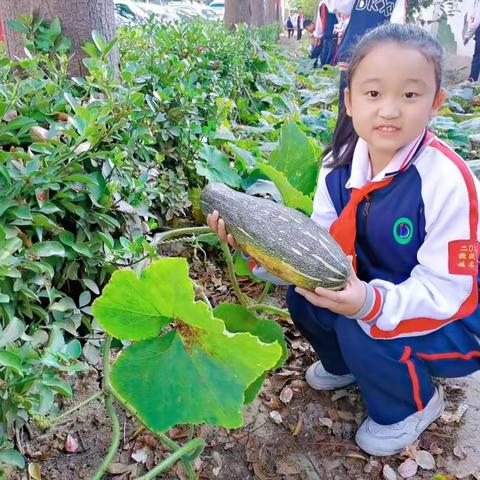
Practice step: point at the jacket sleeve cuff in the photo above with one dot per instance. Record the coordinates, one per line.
(372, 307)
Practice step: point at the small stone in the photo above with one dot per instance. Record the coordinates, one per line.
(276, 417)
(425, 460)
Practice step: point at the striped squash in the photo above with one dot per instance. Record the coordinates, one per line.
(285, 241)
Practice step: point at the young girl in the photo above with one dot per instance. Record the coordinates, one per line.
(405, 207)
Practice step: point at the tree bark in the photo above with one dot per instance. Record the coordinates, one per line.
(271, 13)
(77, 17)
(237, 11)
(257, 8)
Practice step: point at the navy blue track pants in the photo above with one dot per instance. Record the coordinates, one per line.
(394, 376)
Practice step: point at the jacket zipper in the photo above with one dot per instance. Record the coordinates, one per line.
(366, 213)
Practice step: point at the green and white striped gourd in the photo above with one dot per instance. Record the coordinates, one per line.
(285, 241)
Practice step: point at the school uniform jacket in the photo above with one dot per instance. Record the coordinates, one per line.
(365, 15)
(416, 240)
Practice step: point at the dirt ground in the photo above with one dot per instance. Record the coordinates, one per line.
(311, 439)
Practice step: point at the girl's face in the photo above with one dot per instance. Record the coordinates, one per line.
(392, 97)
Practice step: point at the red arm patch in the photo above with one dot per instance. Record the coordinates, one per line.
(463, 257)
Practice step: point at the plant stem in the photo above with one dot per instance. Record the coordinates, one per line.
(115, 438)
(231, 273)
(77, 407)
(106, 363)
(110, 410)
(192, 445)
(108, 389)
(264, 293)
(176, 447)
(271, 309)
(179, 232)
(199, 289)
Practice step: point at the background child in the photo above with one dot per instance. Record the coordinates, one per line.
(364, 16)
(472, 29)
(405, 207)
(290, 28)
(324, 34)
(299, 23)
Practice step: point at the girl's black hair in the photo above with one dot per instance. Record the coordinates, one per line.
(344, 137)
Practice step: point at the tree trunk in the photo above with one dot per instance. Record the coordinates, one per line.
(77, 17)
(257, 7)
(237, 11)
(271, 12)
(252, 12)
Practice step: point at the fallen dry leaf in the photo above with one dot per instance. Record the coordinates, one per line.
(117, 468)
(346, 415)
(62, 117)
(459, 452)
(299, 426)
(356, 455)
(325, 421)
(408, 468)
(39, 134)
(434, 449)
(140, 455)
(425, 460)
(339, 394)
(298, 384)
(410, 450)
(218, 463)
(285, 468)
(35, 471)
(456, 416)
(278, 380)
(371, 465)
(286, 395)
(389, 473)
(259, 472)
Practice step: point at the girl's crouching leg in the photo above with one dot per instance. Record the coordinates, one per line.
(317, 325)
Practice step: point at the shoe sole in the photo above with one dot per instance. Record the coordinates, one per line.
(315, 386)
(384, 453)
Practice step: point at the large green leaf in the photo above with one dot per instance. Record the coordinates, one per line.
(237, 318)
(290, 195)
(195, 373)
(11, 360)
(215, 166)
(12, 457)
(133, 308)
(46, 249)
(297, 157)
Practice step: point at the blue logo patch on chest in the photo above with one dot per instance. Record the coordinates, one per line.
(403, 231)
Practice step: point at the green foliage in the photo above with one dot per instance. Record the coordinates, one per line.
(89, 168)
(206, 364)
(41, 36)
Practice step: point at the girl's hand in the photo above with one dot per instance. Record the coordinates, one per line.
(348, 301)
(218, 226)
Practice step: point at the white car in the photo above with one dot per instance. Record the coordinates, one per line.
(218, 6)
